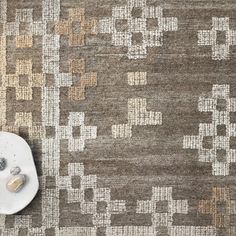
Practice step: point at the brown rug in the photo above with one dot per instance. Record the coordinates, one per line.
(129, 107)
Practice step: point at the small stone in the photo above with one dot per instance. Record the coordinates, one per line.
(16, 183)
(3, 163)
(15, 170)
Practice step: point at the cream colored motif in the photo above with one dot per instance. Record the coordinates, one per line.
(220, 50)
(134, 32)
(213, 140)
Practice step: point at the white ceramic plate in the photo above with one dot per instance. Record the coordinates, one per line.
(17, 153)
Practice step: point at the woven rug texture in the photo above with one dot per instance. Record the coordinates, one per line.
(129, 107)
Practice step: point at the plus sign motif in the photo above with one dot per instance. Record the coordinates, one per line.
(137, 26)
(220, 37)
(24, 80)
(215, 140)
(94, 201)
(76, 26)
(162, 207)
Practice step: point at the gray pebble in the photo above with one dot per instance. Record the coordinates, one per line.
(3, 163)
(15, 170)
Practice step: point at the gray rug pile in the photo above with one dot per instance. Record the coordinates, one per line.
(129, 107)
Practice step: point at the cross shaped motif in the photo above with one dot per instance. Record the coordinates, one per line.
(215, 141)
(24, 80)
(162, 207)
(137, 26)
(220, 38)
(99, 204)
(76, 20)
(77, 119)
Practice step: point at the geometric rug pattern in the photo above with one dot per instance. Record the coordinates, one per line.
(129, 107)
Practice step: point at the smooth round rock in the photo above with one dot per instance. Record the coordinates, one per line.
(3, 163)
(16, 183)
(15, 170)
(18, 154)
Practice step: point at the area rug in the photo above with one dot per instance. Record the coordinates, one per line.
(129, 107)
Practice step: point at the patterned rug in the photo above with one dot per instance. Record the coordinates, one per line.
(129, 107)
